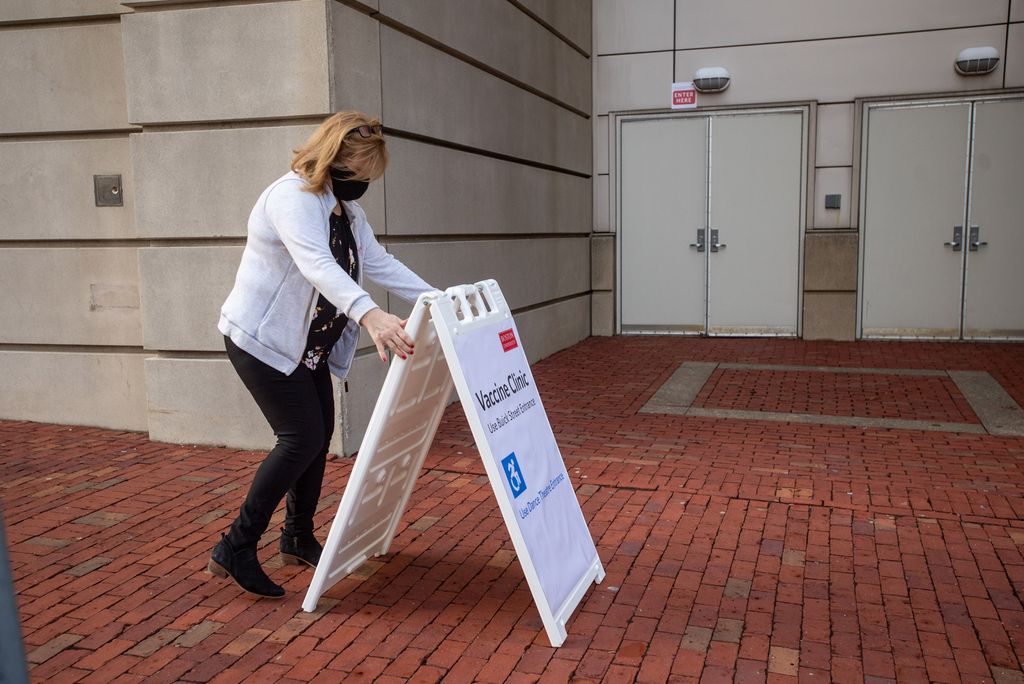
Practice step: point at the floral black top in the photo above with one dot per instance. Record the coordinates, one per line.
(328, 323)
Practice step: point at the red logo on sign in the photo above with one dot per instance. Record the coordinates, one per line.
(508, 340)
(684, 97)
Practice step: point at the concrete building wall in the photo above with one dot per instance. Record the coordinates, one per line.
(836, 54)
(70, 323)
(198, 106)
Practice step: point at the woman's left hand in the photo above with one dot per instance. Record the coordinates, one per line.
(387, 332)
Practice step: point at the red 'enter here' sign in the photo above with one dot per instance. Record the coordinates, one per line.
(684, 96)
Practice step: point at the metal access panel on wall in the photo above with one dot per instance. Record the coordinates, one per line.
(941, 205)
(467, 337)
(710, 217)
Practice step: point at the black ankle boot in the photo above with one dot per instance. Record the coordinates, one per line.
(300, 548)
(243, 567)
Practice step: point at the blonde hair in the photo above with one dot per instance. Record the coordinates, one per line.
(336, 142)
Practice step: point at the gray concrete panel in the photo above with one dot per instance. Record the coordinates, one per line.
(204, 183)
(710, 23)
(833, 181)
(999, 413)
(62, 78)
(438, 190)
(1014, 57)
(431, 93)
(601, 143)
(818, 419)
(228, 62)
(571, 18)
(602, 262)
(105, 390)
(39, 10)
(602, 314)
(70, 296)
(841, 370)
(835, 135)
(682, 388)
(830, 315)
(549, 329)
(47, 191)
(830, 261)
(1016, 10)
(529, 271)
(373, 204)
(203, 401)
(153, 3)
(355, 60)
(364, 383)
(522, 49)
(602, 204)
(630, 26)
(640, 81)
(183, 289)
(842, 69)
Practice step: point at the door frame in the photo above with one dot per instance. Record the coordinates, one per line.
(864, 111)
(617, 119)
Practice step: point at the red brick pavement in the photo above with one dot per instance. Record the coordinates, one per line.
(735, 550)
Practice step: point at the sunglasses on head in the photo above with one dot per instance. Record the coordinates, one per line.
(366, 131)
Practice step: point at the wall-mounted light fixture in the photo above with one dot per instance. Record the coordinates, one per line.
(977, 61)
(711, 79)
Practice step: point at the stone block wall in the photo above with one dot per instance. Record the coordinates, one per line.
(198, 106)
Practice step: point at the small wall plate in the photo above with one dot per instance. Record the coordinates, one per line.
(109, 192)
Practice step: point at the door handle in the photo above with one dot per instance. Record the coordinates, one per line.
(699, 244)
(957, 242)
(715, 244)
(975, 243)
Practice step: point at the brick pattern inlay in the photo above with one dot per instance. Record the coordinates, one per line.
(837, 394)
(735, 550)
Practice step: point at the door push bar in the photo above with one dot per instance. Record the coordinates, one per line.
(700, 243)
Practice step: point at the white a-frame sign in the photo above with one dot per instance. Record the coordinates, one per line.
(467, 336)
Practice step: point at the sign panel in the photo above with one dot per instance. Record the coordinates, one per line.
(684, 95)
(522, 446)
(403, 424)
(468, 338)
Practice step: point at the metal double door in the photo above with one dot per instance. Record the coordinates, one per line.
(710, 211)
(942, 245)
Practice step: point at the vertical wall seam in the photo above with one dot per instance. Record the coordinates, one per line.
(332, 101)
(675, 8)
(1006, 38)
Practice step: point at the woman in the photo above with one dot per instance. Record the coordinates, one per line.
(293, 318)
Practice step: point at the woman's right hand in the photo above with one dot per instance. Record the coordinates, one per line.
(387, 332)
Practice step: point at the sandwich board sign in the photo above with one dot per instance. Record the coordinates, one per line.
(466, 337)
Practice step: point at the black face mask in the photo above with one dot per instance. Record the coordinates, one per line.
(345, 189)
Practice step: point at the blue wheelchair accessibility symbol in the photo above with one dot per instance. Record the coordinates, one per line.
(513, 474)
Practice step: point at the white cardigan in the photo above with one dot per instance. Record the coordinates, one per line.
(287, 260)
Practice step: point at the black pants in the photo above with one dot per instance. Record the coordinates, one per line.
(300, 409)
